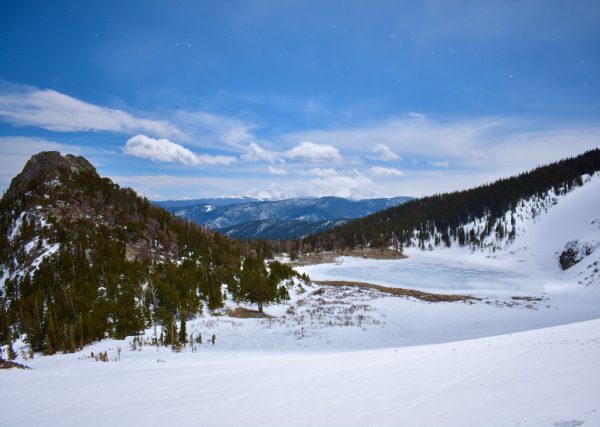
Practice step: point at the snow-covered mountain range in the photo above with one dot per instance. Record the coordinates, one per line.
(275, 219)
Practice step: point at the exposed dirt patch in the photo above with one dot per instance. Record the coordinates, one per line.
(244, 313)
(400, 292)
(329, 257)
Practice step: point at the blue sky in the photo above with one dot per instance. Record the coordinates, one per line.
(299, 98)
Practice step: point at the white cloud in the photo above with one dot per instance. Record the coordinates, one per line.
(163, 150)
(162, 186)
(307, 152)
(256, 153)
(310, 152)
(384, 153)
(438, 164)
(486, 144)
(353, 185)
(52, 110)
(380, 171)
(322, 172)
(416, 117)
(277, 171)
(215, 130)
(464, 140)
(205, 159)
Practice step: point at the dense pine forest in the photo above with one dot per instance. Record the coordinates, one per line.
(444, 218)
(82, 259)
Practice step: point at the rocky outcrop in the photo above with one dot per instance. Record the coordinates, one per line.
(45, 167)
(574, 252)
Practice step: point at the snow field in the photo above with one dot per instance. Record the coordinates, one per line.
(546, 377)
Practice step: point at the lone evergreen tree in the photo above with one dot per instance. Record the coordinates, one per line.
(255, 286)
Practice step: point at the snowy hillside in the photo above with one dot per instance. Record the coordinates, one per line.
(545, 227)
(573, 222)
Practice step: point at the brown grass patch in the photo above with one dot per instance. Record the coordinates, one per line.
(329, 257)
(244, 313)
(526, 298)
(7, 364)
(400, 292)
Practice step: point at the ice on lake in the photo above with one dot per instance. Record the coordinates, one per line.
(427, 273)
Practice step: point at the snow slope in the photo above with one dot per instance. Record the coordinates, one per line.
(576, 217)
(544, 226)
(547, 377)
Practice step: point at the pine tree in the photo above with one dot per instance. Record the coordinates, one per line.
(183, 332)
(255, 285)
(11, 352)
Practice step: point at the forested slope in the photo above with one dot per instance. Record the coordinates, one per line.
(82, 259)
(448, 218)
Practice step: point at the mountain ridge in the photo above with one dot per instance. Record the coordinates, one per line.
(251, 216)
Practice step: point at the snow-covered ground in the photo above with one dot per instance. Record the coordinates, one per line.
(527, 353)
(546, 377)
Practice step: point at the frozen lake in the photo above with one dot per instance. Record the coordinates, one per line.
(428, 273)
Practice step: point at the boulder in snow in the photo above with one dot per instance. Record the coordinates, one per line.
(574, 252)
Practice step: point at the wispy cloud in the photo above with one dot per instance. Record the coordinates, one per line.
(381, 171)
(416, 117)
(486, 143)
(310, 152)
(304, 152)
(439, 155)
(322, 172)
(163, 150)
(48, 109)
(438, 164)
(277, 171)
(256, 153)
(383, 153)
(164, 186)
(353, 184)
(209, 129)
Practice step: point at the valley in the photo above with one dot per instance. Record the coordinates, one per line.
(248, 218)
(425, 323)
